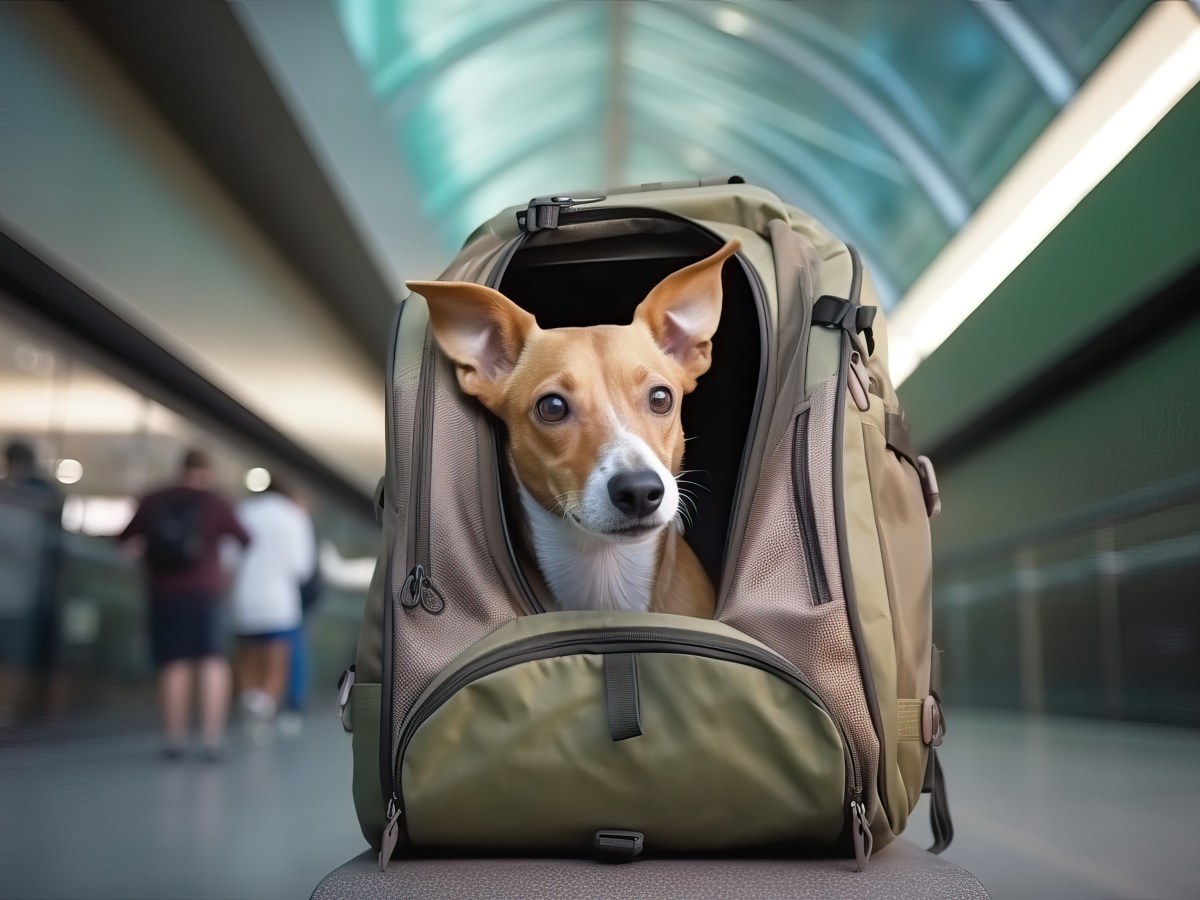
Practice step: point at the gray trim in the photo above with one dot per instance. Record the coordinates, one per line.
(621, 698)
(197, 66)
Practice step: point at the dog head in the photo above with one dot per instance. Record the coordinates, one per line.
(592, 413)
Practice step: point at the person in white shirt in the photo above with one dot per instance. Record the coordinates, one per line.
(265, 599)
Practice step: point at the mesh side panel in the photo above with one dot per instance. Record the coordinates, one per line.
(770, 595)
(820, 480)
(476, 602)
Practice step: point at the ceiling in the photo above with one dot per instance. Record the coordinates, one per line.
(260, 178)
(890, 121)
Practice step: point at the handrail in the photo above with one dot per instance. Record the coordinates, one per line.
(1151, 498)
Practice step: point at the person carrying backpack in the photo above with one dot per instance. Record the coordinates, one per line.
(176, 532)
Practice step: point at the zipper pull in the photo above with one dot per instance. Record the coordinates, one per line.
(391, 834)
(419, 590)
(431, 598)
(409, 597)
(864, 841)
(859, 382)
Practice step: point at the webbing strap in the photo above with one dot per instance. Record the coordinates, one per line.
(940, 822)
(834, 312)
(899, 438)
(621, 692)
(908, 719)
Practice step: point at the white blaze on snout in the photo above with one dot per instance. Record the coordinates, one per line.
(625, 453)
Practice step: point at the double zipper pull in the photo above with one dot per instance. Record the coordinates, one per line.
(929, 486)
(933, 726)
(864, 841)
(419, 590)
(391, 835)
(858, 380)
(345, 683)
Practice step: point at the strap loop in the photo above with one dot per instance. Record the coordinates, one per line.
(621, 691)
(834, 312)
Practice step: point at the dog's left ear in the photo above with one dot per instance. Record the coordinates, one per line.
(683, 310)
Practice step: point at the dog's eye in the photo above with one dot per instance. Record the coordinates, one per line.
(660, 400)
(552, 408)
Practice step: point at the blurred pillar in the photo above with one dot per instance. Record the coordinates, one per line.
(1109, 566)
(1029, 633)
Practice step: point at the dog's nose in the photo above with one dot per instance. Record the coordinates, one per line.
(636, 493)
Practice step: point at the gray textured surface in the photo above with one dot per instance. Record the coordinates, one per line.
(900, 871)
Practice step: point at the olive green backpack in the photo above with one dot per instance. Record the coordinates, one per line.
(803, 719)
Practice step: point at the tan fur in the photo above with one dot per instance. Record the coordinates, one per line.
(605, 373)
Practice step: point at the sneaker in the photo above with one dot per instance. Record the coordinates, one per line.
(257, 705)
(172, 752)
(215, 753)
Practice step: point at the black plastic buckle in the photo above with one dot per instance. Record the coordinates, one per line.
(543, 212)
(834, 312)
(618, 846)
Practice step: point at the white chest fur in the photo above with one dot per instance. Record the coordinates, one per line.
(588, 572)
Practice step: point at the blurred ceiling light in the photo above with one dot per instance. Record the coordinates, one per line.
(1144, 77)
(69, 471)
(258, 479)
(731, 21)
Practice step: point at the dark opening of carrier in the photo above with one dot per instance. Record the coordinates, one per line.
(596, 272)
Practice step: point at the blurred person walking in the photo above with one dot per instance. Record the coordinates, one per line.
(177, 531)
(267, 610)
(291, 717)
(30, 574)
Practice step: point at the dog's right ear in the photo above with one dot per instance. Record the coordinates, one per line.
(480, 330)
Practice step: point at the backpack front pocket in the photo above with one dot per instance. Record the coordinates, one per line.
(690, 733)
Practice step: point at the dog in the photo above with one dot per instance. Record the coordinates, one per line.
(596, 442)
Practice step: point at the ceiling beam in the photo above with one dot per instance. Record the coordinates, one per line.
(196, 65)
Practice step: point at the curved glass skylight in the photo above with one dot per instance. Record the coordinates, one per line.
(889, 121)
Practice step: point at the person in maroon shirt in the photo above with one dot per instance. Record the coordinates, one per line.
(176, 532)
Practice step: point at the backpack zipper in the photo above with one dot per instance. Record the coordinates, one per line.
(418, 588)
(569, 214)
(627, 640)
(817, 578)
(531, 603)
(839, 512)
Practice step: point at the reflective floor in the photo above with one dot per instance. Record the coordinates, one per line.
(107, 818)
(1043, 808)
(1071, 808)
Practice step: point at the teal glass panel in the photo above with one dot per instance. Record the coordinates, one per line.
(891, 121)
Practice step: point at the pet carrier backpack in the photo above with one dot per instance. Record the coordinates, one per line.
(804, 718)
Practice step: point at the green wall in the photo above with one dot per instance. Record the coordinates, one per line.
(1063, 625)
